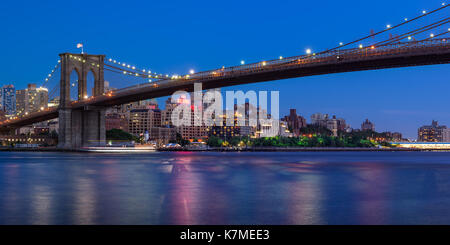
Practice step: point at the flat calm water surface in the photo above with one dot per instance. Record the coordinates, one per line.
(225, 188)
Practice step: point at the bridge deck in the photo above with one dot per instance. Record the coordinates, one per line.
(396, 55)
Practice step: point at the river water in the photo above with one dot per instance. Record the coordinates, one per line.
(225, 188)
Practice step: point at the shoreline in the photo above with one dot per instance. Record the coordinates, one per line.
(253, 149)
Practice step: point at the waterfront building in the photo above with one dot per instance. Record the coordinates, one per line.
(116, 121)
(367, 126)
(433, 133)
(446, 135)
(162, 135)
(8, 100)
(394, 136)
(142, 120)
(333, 124)
(294, 122)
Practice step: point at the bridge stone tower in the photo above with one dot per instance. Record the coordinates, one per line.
(85, 126)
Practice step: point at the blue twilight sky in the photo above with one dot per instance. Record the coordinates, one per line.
(175, 36)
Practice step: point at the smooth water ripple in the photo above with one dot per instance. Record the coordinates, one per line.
(225, 188)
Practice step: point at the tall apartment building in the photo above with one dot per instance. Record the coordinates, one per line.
(8, 100)
(31, 99)
(20, 102)
(36, 98)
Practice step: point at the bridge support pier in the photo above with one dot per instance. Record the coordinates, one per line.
(80, 128)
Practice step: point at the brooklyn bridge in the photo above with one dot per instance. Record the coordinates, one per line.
(82, 120)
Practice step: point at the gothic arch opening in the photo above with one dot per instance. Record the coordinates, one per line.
(90, 83)
(74, 84)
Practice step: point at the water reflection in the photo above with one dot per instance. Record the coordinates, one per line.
(225, 188)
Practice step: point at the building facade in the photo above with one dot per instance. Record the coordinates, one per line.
(367, 126)
(333, 124)
(8, 100)
(116, 121)
(294, 122)
(433, 133)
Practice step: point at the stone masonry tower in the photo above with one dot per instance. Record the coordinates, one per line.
(85, 126)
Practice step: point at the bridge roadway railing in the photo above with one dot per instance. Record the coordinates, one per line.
(335, 56)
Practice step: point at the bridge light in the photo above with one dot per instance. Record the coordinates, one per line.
(406, 19)
(360, 46)
(409, 38)
(388, 26)
(128, 66)
(341, 43)
(110, 59)
(281, 57)
(424, 11)
(263, 63)
(372, 47)
(191, 71)
(114, 61)
(124, 72)
(308, 51)
(443, 4)
(431, 35)
(133, 67)
(242, 62)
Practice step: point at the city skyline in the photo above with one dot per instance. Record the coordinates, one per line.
(391, 98)
(308, 118)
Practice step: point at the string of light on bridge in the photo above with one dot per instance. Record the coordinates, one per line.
(50, 75)
(131, 70)
(388, 28)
